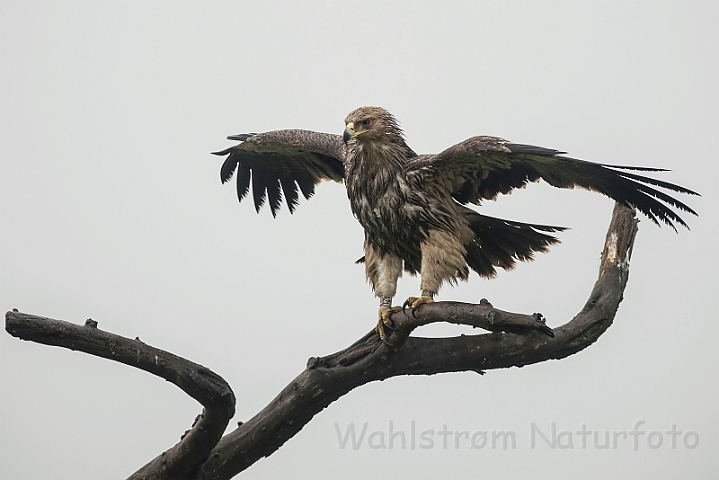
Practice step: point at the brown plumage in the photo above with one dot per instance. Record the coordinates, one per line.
(412, 206)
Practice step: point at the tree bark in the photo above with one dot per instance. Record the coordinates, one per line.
(203, 453)
(200, 383)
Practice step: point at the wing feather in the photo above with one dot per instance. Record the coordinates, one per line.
(259, 187)
(307, 185)
(243, 180)
(280, 161)
(290, 188)
(481, 168)
(274, 196)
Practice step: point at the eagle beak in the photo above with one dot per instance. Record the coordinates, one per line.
(349, 132)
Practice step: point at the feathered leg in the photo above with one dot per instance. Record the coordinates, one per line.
(382, 271)
(442, 260)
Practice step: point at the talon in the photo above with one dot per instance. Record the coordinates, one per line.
(414, 303)
(384, 321)
(404, 307)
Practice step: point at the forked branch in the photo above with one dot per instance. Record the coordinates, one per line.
(207, 456)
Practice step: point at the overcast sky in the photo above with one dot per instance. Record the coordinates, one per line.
(111, 207)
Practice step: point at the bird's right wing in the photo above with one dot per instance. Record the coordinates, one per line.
(284, 159)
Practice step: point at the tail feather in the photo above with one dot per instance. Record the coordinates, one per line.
(500, 243)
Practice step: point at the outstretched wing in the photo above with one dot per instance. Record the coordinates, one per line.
(483, 167)
(278, 162)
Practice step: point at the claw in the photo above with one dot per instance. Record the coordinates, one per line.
(414, 303)
(384, 321)
(404, 307)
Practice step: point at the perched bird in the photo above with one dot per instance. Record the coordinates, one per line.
(412, 207)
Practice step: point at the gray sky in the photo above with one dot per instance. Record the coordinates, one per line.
(112, 208)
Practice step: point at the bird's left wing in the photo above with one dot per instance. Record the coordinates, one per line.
(282, 159)
(483, 167)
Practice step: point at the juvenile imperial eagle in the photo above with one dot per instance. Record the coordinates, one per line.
(412, 206)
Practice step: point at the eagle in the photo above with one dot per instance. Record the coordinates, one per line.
(413, 207)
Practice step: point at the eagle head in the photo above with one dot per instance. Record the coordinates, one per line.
(372, 124)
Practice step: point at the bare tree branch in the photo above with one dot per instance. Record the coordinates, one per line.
(328, 378)
(197, 381)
